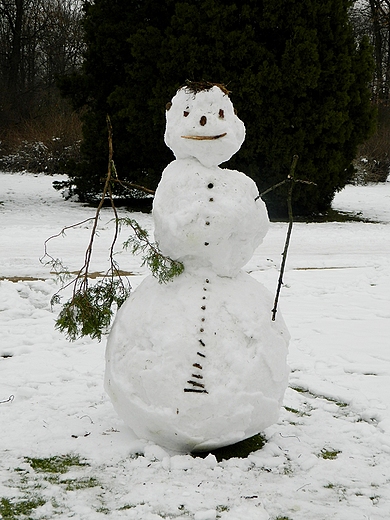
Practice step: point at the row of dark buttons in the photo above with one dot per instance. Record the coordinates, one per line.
(198, 386)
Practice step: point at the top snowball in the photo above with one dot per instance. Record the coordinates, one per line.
(203, 125)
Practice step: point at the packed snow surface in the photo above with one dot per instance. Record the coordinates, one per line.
(328, 456)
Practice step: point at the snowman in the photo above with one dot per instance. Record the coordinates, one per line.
(197, 363)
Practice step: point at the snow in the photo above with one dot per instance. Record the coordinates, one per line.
(154, 353)
(197, 364)
(195, 206)
(328, 456)
(203, 126)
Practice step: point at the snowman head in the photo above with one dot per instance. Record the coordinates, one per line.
(201, 123)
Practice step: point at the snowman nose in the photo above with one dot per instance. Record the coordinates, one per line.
(203, 120)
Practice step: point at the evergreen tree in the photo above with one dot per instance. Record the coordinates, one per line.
(298, 77)
(104, 88)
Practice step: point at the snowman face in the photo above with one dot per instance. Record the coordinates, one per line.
(203, 125)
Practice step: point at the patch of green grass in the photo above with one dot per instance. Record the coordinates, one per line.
(292, 410)
(58, 464)
(329, 454)
(240, 449)
(296, 412)
(73, 484)
(80, 483)
(17, 509)
(340, 404)
(131, 506)
(50, 470)
(282, 518)
(287, 468)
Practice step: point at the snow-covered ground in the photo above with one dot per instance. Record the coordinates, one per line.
(328, 457)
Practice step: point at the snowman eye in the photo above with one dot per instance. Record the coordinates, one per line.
(185, 113)
(168, 105)
(221, 113)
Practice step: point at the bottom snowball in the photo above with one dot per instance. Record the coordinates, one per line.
(197, 363)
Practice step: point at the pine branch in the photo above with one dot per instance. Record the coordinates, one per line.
(161, 266)
(90, 309)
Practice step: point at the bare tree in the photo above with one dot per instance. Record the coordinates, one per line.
(39, 41)
(61, 46)
(372, 17)
(11, 16)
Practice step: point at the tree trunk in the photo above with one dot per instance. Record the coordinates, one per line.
(378, 47)
(13, 83)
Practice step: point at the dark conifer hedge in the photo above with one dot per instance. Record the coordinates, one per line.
(298, 77)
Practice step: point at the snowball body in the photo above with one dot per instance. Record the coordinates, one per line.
(208, 216)
(197, 363)
(159, 350)
(209, 114)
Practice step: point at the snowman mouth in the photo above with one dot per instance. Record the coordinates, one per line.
(203, 137)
